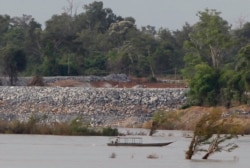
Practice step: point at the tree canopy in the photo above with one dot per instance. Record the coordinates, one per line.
(209, 59)
(210, 55)
(92, 41)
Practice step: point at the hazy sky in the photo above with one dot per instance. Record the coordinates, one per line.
(171, 14)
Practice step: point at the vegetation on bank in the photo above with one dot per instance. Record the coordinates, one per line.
(33, 126)
(186, 119)
(213, 131)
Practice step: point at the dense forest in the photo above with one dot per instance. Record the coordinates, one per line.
(210, 55)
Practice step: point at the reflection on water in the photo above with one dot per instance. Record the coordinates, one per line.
(41, 151)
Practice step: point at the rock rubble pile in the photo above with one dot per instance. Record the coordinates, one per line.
(101, 106)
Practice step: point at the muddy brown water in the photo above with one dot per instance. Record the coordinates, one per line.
(40, 151)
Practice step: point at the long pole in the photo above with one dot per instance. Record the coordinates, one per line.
(68, 66)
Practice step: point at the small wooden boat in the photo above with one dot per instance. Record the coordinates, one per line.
(134, 141)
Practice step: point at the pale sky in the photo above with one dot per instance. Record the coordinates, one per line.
(171, 14)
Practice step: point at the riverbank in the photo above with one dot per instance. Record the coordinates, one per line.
(114, 100)
(187, 118)
(114, 107)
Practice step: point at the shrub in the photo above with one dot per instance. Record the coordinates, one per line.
(36, 81)
(166, 119)
(110, 131)
(152, 79)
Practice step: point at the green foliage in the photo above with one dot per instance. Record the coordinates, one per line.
(110, 131)
(77, 127)
(35, 125)
(166, 119)
(243, 66)
(152, 79)
(95, 64)
(204, 86)
(209, 67)
(80, 44)
(14, 61)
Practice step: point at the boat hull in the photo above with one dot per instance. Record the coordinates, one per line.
(140, 144)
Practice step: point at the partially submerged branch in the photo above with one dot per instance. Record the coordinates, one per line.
(213, 132)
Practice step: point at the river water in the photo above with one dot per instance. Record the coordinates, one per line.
(44, 151)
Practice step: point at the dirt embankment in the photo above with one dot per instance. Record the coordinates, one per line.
(189, 117)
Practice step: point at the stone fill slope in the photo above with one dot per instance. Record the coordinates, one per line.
(101, 106)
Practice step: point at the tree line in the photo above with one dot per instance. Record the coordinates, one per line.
(210, 55)
(93, 42)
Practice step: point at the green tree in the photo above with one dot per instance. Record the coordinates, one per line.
(204, 86)
(207, 47)
(228, 78)
(120, 59)
(242, 36)
(210, 39)
(243, 68)
(93, 40)
(237, 81)
(165, 58)
(51, 66)
(119, 31)
(20, 32)
(180, 36)
(31, 42)
(4, 27)
(99, 18)
(14, 61)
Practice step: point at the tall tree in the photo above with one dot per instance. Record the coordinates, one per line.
(51, 66)
(208, 45)
(4, 27)
(243, 34)
(14, 61)
(243, 69)
(99, 18)
(210, 39)
(166, 57)
(31, 42)
(180, 36)
(204, 87)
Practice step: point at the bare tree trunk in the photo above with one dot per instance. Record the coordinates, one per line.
(189, 155)
(206, 155)
(190, 151)
(152, 71)
(152, 129)
(213, 146)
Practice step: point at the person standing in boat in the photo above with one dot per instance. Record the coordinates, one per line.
(116, 140)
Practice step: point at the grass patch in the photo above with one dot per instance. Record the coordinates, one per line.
(74, 127)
